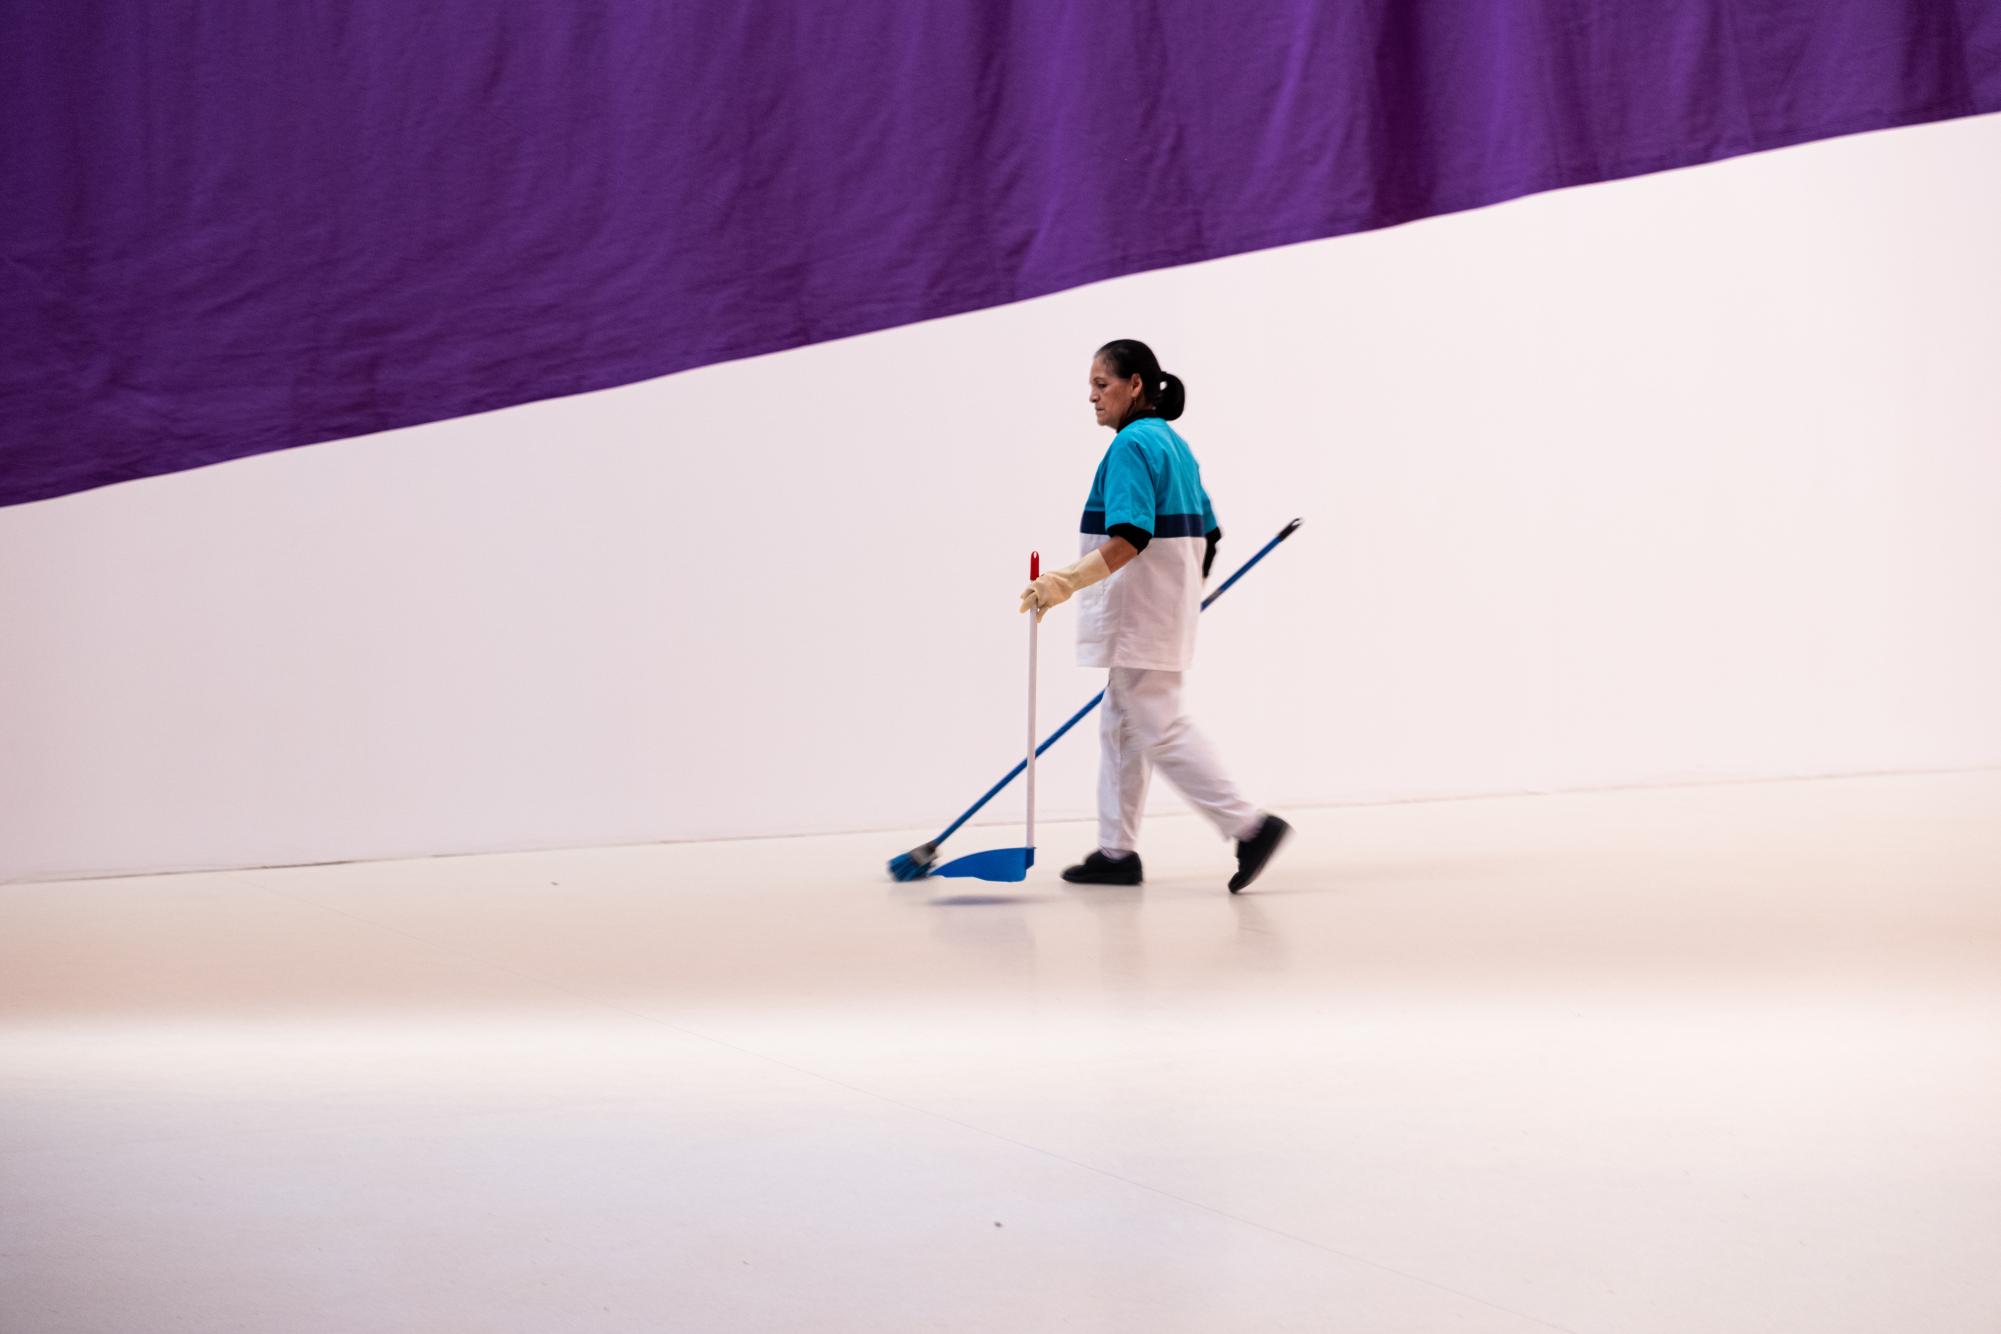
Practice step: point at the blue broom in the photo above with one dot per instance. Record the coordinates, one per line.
(921, 861)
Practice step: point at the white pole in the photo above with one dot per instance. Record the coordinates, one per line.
(1034, 627)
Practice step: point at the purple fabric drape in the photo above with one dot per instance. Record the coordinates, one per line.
(235, 226)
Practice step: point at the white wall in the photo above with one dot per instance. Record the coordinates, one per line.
(1688, 477)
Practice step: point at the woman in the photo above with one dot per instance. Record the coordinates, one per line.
(1149, 539)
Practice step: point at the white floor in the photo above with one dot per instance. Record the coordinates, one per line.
(1714, 1059)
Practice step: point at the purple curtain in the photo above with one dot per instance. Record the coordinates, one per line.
(232, 226)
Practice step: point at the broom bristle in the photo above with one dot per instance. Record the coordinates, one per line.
(914, 864)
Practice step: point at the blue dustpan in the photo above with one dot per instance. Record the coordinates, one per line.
(1008, 865)
(1003, 864)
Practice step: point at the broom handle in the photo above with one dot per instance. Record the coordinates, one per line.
(1246, 567)
(1099, 698)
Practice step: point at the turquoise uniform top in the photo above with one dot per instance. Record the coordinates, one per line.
(1149, 480)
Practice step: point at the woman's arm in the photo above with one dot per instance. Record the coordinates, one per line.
(1117, 553)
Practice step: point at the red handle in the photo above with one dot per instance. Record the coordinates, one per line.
(1035, 564)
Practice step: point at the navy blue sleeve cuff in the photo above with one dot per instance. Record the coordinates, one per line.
(1132, 533)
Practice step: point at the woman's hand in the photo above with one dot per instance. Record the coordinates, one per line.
(1056, 587)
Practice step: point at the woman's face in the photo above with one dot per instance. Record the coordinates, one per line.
(1111, 397)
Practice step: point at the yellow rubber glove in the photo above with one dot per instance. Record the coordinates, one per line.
(1055, 588)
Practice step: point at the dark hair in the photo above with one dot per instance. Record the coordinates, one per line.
(1161, 395)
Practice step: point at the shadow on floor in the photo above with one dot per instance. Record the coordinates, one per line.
(985, 900)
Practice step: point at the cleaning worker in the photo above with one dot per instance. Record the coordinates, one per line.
(1149, 538)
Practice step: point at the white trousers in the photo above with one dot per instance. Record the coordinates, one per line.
(1143, 729)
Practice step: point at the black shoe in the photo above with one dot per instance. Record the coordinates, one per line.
(1255, 851)
(1098, 869)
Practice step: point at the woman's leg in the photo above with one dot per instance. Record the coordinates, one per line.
(1123, 768)
(1152, 709)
